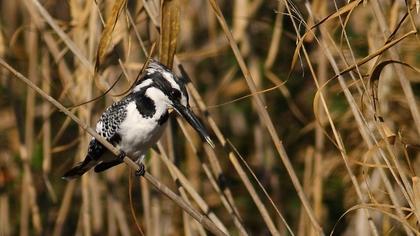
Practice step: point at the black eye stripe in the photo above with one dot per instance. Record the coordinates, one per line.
(165, 86)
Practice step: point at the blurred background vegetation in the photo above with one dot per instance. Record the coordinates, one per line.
(319, 98)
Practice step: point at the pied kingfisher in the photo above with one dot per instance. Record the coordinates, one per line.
(136, 122)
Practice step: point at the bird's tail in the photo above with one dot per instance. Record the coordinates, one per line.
(79, 169)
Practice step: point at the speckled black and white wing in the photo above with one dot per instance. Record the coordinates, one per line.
(110, 121)
(108, 127)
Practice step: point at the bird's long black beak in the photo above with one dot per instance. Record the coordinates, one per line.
(194, 122)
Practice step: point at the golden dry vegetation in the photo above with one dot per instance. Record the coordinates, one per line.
(313, 105)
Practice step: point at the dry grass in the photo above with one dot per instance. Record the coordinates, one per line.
(313, 105)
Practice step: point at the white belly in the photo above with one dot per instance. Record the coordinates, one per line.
(138, 134)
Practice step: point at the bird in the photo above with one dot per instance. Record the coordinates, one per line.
(136, 122)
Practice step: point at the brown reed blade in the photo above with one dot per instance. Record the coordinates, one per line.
(106, 36)
(169, 28)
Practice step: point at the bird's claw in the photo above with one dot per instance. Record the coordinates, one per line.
(121, 156)
(141, 171)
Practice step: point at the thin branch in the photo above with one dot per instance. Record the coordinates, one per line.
(160, 186)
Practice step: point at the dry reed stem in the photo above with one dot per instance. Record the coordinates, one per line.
(111, 218)
(355, 111)
(70, 44)
(46, 128)
(64, 209)
(263, 211)
(86, 215)
(216, 165)
(363, 129)
(120, 215)
(64, 71)
(234, 214)
(303, 228)
(145, 196)
(214, 162)
(96, 203)
(263, 114)
(185, 186)
(336, 134)
(30, 192)
(416, 188)
(4, 215)
(381, 127)
(182, 191)
(162, 188)
(365, 133)
(405, 84)
(319, 145)
(390, 189)
(133, 25)
(276, 38)
(156, 206)
(24, 212)
(371, 56)
(283, 220)
(294, 108)
(237, 221)
(407, 191)
(383, 208)
(130, 199)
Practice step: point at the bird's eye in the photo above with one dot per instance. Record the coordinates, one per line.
(175, 94)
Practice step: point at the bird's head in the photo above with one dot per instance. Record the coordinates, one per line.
(160, 84)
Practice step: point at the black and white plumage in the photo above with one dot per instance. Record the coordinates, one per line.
(136, 122)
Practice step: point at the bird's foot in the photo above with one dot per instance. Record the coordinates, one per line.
(121, 156)
(141, 171)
